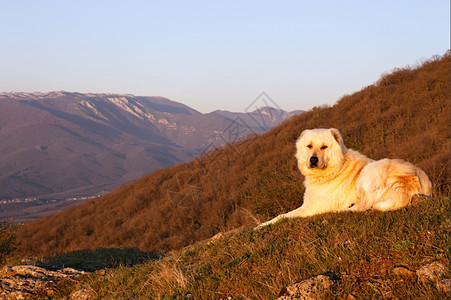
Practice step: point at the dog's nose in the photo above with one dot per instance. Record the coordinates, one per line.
(314, 161)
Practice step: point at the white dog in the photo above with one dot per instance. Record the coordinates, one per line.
(341, 179)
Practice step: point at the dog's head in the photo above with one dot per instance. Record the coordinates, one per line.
(318, 150)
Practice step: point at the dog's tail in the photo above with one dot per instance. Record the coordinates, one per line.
(407, 182)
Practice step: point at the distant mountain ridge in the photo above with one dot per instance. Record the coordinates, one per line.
(63, 144)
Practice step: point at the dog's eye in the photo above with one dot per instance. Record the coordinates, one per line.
(323, 147)
(309, 146)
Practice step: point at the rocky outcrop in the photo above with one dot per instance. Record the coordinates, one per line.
(32, 282)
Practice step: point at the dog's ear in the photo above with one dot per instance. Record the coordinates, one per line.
(301, 135)
(337, 136)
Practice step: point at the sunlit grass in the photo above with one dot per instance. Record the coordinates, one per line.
(357, 250)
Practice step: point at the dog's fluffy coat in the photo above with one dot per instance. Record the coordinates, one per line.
(341, 179)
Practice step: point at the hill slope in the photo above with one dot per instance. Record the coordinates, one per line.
(406, 114)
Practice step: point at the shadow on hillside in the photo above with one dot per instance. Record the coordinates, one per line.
(92, 260)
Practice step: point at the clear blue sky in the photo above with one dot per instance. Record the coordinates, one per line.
(215, 54)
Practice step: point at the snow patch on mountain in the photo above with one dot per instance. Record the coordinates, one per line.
(132, 108)
(89, 107)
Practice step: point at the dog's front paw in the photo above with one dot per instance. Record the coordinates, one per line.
(272, 221)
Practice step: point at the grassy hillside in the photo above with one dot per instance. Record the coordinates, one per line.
(406, 114)
(357, 250)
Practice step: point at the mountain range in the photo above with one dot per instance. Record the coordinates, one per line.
(62, 145)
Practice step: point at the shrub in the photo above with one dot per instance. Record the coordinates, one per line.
(7, 239)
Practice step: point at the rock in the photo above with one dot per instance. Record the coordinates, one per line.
(6, 272)
(402, 271)
(101, 272)
(215, 238)
(444, 286)
(30, 282)
(419, 198)
(310, 289)
(82, 294)
(432, 272)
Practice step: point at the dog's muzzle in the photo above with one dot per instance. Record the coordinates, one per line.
(314, 162)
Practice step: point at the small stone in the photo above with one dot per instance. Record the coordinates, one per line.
(432, 272)
(7, 271)
(402, 271)
(351, 297)
(310, 289)
(216, 238)
(419, 198)
(444, 286)
(82, 294)
(101, 272)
